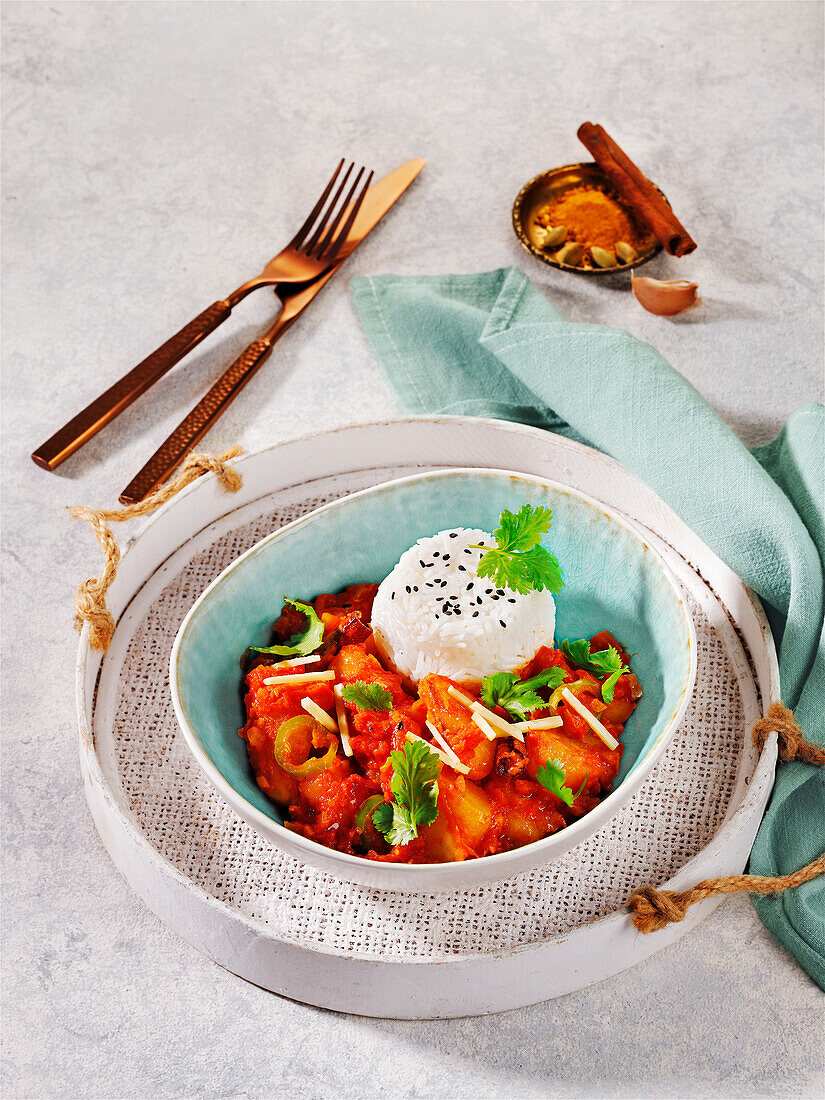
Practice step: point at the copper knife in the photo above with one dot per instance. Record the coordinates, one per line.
(378, 200)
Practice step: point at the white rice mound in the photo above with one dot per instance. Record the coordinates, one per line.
(433, 614)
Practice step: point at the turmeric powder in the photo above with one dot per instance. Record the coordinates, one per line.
(593, 217)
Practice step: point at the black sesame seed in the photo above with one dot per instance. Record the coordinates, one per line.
(408, 588)
(511, 601)
(453, 534)
(435, 553)
(504, 625)
(392, 595)
(494, 597)
(500, 591)
(467, 550)
(415, 588)
(438, 599)
(487, 591)
(475, 613)
(461, 569)
(446, 557)
(421, 563)
(470, 585)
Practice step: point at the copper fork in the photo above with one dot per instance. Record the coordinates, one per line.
(312, 251)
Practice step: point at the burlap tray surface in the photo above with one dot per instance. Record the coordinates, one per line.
(669, 821)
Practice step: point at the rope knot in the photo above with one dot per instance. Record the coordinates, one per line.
(792, 744)
(90, 607)
(653, 909)
(198, 464)
(90, 599)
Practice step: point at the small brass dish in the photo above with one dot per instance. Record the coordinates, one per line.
(549, 185)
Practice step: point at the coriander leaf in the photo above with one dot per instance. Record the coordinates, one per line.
(519, 561)
(496, 687)
(414, 783)
(503, 569)
(394, 823)
(577, 652)
(519, 697)
(551, 776)
(609, 686)
(541, 569)
(605, 662)
(608, 660)
(299, 645)
(367, 696)
(524, 529)
(415, 768)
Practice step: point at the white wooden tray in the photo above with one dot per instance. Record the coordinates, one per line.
(305, 935)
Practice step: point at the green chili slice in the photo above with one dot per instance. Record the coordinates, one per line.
(294, 739)
(365, 811)
(578, 687)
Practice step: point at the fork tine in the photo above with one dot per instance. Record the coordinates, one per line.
(342, 236)
(336, 221)
(312, 243)
(297, 240)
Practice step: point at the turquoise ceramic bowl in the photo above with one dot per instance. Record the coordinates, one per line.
(614, 581)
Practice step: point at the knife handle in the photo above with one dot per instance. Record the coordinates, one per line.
(127, 389)
(193, 427)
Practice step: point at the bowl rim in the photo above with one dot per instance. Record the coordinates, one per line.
(540, 254)
(587, 824)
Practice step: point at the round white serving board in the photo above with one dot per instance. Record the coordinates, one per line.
(368, 982)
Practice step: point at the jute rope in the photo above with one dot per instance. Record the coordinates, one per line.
(90, 600)
(651, 909)
(792, 745)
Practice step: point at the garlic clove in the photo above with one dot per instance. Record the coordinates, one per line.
(665, 298)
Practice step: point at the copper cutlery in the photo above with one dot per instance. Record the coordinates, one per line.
(312, 251)
(295, 298)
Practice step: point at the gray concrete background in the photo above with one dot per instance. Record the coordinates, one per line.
(154, 155)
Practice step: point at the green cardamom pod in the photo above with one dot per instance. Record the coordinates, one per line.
(570, 254)
(550, 236)
(625, 253)
(601, 257)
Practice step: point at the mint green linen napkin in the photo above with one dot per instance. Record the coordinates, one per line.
(493, 345)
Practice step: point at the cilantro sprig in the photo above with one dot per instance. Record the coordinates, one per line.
(552, 775)
(415, 786)
(302, 644)
(605, 662)
(519, 697)
(519, 561)
(367, 696)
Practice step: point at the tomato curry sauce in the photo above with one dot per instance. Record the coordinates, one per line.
(328, 796)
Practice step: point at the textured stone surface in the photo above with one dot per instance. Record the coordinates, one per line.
(154, 154)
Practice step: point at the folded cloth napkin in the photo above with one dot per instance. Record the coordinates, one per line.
(493, 345)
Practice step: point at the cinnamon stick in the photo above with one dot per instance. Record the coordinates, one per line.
(636, 189)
